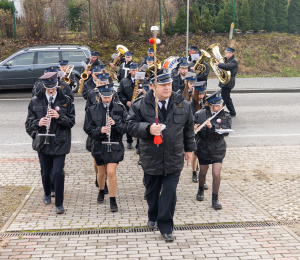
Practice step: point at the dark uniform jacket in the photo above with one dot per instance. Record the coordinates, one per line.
(95, 119)
(193, 106)
(168, 157)
(73, 80)
(125, 90)
(89, 85)
(144, 61)
(96, 63)
(178, 84)
(231, 65)
(91, 100)
(204, 75)
(64, 86)
(61, 127)
(211, 145)
(121, 73)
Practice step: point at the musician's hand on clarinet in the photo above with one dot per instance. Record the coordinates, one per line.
(53, 113)
(188, 157)
(196, 126)
(111, 121)
(104, 129)
(43, 121)
(128, 103)
(208, 124)
(155, 129)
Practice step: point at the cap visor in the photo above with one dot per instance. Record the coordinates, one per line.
(49, 86)
(165, 81)
(106, 93)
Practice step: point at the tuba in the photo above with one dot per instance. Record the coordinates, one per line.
(84, 77)
(121, 52)
(68, 74)
(200, 68)
(223, 75)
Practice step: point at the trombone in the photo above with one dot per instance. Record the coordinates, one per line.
(68, 74)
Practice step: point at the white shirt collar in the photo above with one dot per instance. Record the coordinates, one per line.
(54, 97)
(212, 112)
(133, 79)
(105, 105)
(160, 104)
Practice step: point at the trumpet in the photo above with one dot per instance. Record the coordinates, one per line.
(209, 119)
(49, 121)
(68, 74)
(109, 143)
(84, 77)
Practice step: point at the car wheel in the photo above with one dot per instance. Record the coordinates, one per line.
(76, 85)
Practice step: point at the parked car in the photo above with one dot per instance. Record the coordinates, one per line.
(23, 68)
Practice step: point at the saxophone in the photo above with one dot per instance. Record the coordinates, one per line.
(84, 77)
(136, 87)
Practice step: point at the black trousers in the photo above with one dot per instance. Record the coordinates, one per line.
(227, 100)
(161, 199)
(129, 138)
(54, 164)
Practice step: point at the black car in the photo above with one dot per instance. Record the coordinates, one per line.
(23, 68)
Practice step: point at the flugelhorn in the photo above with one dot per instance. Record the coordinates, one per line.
(68, 74)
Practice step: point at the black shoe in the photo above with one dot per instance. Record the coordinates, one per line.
(113, 204)
(52, 193)
(96, 182)
(205, 187)
(60, 210)
(129, 146)
(47, 199)
(144, 181)
(106, 189)
(195, 177)
(137, 151)
(100, 198)
(215, 202)
(200, 194)
(168, 237)
(151, 225)
(139, 162)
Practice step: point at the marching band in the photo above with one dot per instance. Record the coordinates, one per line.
(165, 106)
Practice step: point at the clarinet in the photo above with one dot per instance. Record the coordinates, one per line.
(49, 121)
(109, 143)
(209, 119)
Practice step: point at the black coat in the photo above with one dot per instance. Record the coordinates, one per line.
(211, 145)
(193, 106)
(61, 127)
(125, 90)
(178, 136)
(73, 79)
(93, 65)
(231, 65)
(95, 119)
(178, 84)
(204, 75)
(121, 73)
(88, 86)
(63, 86)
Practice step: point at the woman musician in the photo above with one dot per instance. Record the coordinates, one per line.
(106, 121)
(190, 80)
(211, 146)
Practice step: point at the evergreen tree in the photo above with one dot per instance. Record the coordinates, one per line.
(257, 14)
(293, 16)
(281, 15)
(219, 22)
(244, 23)
(270, 16)
(180, 24)
(207, 22)
(228, 14)
(170, 28)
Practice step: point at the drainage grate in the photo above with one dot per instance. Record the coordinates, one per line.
(140, 230)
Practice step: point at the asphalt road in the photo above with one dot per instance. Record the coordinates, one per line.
(262, 120)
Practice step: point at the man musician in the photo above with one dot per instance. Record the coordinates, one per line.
(62, 119)
(94, 61)
(150, 53)
(124, 68)
(201, 76)
(162, 164)
(63, 65)
(178, 80)
(122, 59)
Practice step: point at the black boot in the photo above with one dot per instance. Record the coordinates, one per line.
(215, 202)
(105, 188)
(100, 198)
(113, 204)
(195, 177)
(205, 187)
(200, 194)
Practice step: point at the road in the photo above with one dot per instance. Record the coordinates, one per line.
(269, 119)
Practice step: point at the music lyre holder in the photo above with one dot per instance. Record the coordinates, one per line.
(109, 143)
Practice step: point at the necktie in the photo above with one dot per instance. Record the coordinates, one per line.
(163, 109)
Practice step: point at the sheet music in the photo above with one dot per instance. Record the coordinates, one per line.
(144, 67)
(114, 56)
(83, 64)
(195, 56)
(224, 131)
(139, 75)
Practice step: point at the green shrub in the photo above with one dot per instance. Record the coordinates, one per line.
(6, 5)
(180, 24)
(270, 16)
(170, 28)
(281, 15)
(207, 22)
(257, 14)
(76, 15)
(244, 23)
(219, 22)
(228, 15)
(293, 16)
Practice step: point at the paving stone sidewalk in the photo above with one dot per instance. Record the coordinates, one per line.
(230, 244)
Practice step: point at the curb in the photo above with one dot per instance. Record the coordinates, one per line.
(17, 211)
